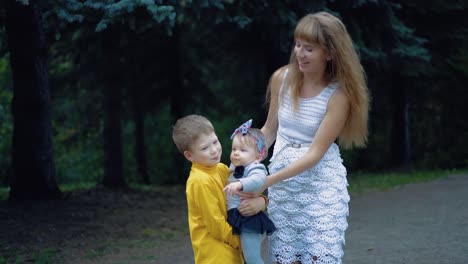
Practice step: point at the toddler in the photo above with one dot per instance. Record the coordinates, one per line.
(248, 175)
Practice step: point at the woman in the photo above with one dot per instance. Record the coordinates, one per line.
(319, 97)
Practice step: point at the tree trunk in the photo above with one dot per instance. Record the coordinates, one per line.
(400, 127)
(32, 151)
(113, 162)
(140, 153)
(177, 99)
(400, 144)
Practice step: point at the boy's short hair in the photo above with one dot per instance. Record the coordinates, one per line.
(187, 130)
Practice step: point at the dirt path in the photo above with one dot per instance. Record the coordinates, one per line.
(413, 224)
(417, 223)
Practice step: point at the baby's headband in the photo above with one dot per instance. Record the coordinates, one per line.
(245, 129)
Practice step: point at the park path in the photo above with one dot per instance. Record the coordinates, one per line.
(416, 223)
(413, 224)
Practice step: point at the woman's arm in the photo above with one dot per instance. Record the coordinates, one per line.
(270, 127)
(331, 126)
(251, 206)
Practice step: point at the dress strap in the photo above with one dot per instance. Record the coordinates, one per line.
(283, 82)
(284, 79)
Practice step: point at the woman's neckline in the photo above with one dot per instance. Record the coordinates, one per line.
(314, 96)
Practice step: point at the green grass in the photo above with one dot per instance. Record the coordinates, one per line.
(3, 196)
(146, 239)
(77, 186)
(63, 187)
(10, 255)
(360, 182)
(152, 188)
(139, 258)
(101, 251)
(45, 256)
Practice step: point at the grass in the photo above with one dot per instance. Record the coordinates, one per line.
(76, 186)
(3, 196)
(63, 187)
(148, 239)
(143, 258)
(152, 188)
(361, 182)
(358, 182)
(101, 251)
(44, 256)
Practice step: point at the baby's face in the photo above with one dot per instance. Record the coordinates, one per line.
(242, 153)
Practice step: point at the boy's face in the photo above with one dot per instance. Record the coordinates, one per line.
(206, 150)
(243, 154)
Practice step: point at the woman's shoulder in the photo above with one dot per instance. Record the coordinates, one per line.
(280, 73)
(338, 98)
(338, 92)
(277, 78)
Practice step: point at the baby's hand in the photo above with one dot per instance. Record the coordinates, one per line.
(233, 188)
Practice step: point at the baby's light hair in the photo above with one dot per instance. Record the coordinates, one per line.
(188, 129)
(254, 138)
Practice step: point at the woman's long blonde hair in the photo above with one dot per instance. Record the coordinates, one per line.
(344, 67)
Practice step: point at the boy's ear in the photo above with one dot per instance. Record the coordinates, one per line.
(188, 155)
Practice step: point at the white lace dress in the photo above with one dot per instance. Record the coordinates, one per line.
(309, 209)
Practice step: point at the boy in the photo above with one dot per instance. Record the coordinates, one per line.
(211, 235)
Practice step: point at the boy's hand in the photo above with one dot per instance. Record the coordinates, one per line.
(233, 188)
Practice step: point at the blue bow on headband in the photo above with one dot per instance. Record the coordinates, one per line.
(244, 129)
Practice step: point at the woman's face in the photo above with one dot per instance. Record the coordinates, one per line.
(311, 58)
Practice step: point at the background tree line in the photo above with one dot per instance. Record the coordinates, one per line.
(89, 89)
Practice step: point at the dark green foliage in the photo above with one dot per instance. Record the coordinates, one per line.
(6, 122)
(172, 58)
(440, 129)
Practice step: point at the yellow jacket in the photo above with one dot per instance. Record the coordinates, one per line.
(211, 235)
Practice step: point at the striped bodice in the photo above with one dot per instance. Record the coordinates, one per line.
(301, 126)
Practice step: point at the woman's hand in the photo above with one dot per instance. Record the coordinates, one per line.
(250, 206)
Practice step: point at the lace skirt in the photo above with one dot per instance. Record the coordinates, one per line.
(308, 210)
